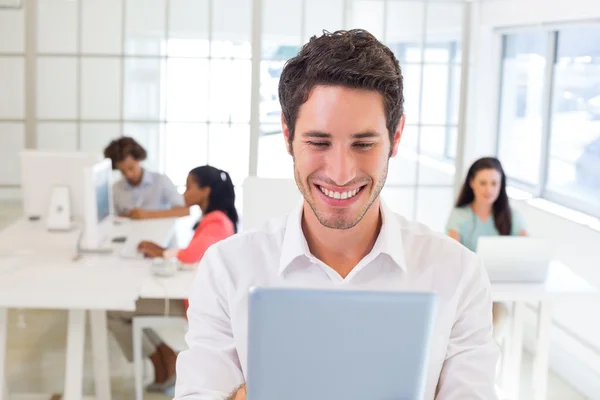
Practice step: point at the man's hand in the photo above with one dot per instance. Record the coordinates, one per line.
(150, 249)
(138, 213)
(239, 393)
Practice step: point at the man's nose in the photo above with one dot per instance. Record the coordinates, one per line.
(341, 165)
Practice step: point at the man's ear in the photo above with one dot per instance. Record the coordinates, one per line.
(397, 136)
(286, 134)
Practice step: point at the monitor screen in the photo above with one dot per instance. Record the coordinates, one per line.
(103, 182)
(60, 168)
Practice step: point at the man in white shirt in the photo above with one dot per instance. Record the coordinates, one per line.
(342, 117)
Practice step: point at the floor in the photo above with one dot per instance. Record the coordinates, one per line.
(36, 354)
(36, 358)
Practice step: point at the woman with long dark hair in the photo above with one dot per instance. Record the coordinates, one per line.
(212, 190)
(483, 209)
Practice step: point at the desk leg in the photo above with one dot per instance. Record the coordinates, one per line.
(505, 352)
(3, 340)
(100, 354)
(516, 351)
(75, 354)
(542, 351)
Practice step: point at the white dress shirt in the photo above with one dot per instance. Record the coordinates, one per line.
(406, 256)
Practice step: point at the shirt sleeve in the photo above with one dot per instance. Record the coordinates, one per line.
(171, 195)
(469, 369)
(170, 253)
(118, 203)
(518, 225)
(210, 232)
(210, 368)
(454, 221)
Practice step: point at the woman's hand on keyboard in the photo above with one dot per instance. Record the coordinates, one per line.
(150, 249)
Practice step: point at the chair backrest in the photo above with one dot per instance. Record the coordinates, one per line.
(267, 198)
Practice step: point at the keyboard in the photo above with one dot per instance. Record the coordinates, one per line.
(157, 231)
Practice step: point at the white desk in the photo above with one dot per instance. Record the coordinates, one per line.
(38, 271)
(562, 284)
(173, 287)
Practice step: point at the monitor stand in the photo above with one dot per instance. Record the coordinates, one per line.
(59, 211)
(95, 237)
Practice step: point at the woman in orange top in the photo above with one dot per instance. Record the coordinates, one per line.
(212, 190)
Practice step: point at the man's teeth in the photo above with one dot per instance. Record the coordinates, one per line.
(340, 195)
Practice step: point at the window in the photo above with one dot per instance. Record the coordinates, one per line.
(521, 105)
(574, 153)
(430, 61)
(174, 74)
(426, 39)
(549, 117)
(178, 76)
(282, 35)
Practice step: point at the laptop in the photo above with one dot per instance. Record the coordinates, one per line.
(338, 344)
(130, 248)
(161, 232)
(515, 259)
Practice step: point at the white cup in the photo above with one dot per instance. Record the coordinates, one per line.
(164, 267)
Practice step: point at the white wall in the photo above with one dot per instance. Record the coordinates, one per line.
(576, 337)
(12, 93)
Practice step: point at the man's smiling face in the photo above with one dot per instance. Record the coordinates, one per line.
(341, 148)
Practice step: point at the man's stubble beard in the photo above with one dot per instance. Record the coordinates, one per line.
(339, 223)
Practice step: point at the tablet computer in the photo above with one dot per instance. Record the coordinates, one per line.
(338, 344)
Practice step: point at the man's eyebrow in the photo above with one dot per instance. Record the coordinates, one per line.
(323, 135)
(317, 134)
(366, 135)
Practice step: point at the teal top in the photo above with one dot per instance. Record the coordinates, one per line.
(470, 227)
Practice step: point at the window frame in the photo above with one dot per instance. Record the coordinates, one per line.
(540, 189)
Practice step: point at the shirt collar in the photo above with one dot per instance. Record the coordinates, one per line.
(388, 242)
(294, 243)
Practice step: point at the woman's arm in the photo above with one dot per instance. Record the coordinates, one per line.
(179, 211)
(453, 225)
(454, 235)
(213, 228)
(194, 252)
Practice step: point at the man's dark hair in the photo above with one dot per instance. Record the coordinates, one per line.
(123, 147)
(354, 59)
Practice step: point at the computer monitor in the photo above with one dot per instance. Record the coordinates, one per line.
(44, 171)
(267, 198)
(98, 204)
